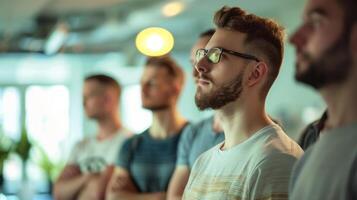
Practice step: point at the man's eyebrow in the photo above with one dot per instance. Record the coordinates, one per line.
(317, 11)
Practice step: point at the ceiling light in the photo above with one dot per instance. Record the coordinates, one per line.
(154, 41)
(56, 39)
(173, 8)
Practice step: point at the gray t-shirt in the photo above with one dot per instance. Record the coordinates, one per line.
(93, 155)
(328, 169)
(195, 140)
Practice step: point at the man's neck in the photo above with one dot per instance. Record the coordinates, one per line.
(341, 104)
(108, 127)
(166, 123)
(216, 125)
(239, 122)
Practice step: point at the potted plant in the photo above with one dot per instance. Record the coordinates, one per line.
(5, 149)
(22, 148)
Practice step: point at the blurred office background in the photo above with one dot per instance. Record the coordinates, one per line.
(47, 47)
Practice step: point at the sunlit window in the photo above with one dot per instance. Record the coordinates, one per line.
(47, 117)
(10, 112)
(135, 117)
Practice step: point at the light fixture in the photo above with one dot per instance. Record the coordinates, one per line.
(154, 41)
(173, 8)
(56, 39)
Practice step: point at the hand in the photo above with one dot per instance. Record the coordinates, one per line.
(160, 196)
(122, 183)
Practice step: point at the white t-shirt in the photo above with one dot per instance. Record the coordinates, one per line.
(93, 155)
(258, 168)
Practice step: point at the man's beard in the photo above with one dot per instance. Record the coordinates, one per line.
(330, 68)
(220, 96)
(160, 107)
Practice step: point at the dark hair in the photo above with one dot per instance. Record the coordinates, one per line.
(105, 80)
(349, 7)
(207, 33)
(169, 64)
(264, 36)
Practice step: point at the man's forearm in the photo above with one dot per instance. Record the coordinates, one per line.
(68, 189)
(174, 198)
(124, 195)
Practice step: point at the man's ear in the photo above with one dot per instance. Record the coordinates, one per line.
(176, 88)
(257, 74)
(107, 97)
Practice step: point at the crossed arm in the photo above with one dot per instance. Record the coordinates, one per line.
(121, 187)
(72, 184)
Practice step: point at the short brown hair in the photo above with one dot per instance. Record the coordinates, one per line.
(264, 36)
(207, 33)
(105, 80)
(171, 66)
(349, 8)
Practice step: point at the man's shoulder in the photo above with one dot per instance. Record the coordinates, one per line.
(205, 156)
(204, 122)
(84, 142)
(199, 127)
(124, 132)
(278, 146)
(133, 141)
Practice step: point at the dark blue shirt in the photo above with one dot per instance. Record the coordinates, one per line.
(149, 161)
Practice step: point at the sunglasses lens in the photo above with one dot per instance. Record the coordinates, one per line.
(213, 55)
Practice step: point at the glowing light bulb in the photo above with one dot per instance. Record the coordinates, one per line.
(154, 41)
(173, 8)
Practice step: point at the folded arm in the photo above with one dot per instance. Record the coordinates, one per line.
(122, 187)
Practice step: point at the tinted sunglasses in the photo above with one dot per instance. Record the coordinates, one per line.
(214, 55)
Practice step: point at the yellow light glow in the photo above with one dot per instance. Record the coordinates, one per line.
(173, 8)
(154, 41)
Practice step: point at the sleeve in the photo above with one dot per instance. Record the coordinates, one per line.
(125, 154)
(270, 179)
(184, 146)
(73, 156)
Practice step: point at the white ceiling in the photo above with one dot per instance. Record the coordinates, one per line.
(111, 25)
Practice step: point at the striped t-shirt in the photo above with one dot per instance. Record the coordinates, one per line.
(258, 168)
(149, 161)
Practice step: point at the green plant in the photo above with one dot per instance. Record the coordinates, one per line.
(5, 149)
(23, 146)
(50, 167)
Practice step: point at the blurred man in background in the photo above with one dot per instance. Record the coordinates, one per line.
(91, 161)
(147, 161)
(326, 48)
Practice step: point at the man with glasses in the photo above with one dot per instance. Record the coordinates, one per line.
(196, 138)
(236, 70)
(326, 49)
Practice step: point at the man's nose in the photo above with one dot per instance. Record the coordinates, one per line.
(299, 37)
(203, 66)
